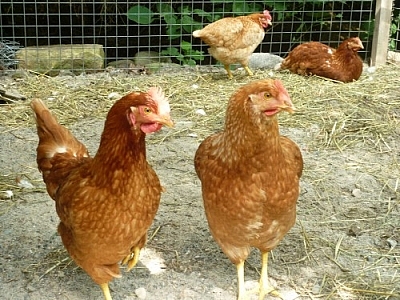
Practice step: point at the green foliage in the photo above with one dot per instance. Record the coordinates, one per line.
(141, 14)
(394, 29)
(367, 30)
(177, 23)
(187, 55)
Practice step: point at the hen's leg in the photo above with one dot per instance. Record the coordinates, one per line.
(228, 70)
(135, 259)
(265, 288)
(248, 70)
(106, 291)
(240, 278)
(132, 261)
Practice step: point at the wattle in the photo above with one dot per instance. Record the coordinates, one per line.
(271, 112)
(150, 127)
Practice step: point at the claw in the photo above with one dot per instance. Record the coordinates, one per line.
(132, 258)
(263, 289)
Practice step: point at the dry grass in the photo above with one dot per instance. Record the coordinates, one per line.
(363, 114)
(342, 115)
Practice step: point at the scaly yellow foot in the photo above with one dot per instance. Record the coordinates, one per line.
(228, 70)
(106, 291)
(265, 288)
(248, 70)
(132, 260)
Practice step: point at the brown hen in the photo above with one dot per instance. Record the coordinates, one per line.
(106, 203)
(233, 40)
(250, 177)
(314, 58)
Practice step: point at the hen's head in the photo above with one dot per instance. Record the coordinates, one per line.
(152, 113)
(147, 112)
(257, 103)
(269, 97)
(354, 44)
(266, 19)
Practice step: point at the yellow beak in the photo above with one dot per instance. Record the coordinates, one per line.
(289, 108)
(166, 120)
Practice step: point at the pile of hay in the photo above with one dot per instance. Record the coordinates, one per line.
(366, 111)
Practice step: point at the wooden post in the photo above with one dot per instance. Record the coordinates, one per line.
(380, 41)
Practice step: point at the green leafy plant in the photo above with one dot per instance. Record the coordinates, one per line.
(141, 15)
(393, 33)
(367, 29)
(177, 23)
(187, 55)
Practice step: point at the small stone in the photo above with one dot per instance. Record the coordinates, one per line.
(60, 274)
(121, 64)
(141, 293)
(24, 183)
(392, 243)
(264, 61)
(316, 289)
(356, 193)
(6, 194)
(143, 58)
(354, 230)
(201, 112)
(114, 95)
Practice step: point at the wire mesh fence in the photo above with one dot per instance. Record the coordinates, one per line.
(394, 43)
(165, 28)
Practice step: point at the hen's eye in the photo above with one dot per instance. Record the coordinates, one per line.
(147, 110)
(267, 95)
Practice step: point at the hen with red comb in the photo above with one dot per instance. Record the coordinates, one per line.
(105, 203)
(250, 177)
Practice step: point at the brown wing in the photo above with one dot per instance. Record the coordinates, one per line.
(309, 58)
(292, 155)
(344, 67)
(226, 215)
(113, 217)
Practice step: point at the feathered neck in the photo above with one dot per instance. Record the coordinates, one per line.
(121, 145)
(344, 53)
(246, 136)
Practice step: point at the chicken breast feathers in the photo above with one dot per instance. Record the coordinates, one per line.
(249, 173)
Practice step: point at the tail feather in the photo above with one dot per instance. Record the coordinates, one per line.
(58, 150)
(196, 33)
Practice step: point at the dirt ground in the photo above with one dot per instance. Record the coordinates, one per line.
(344, 245)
